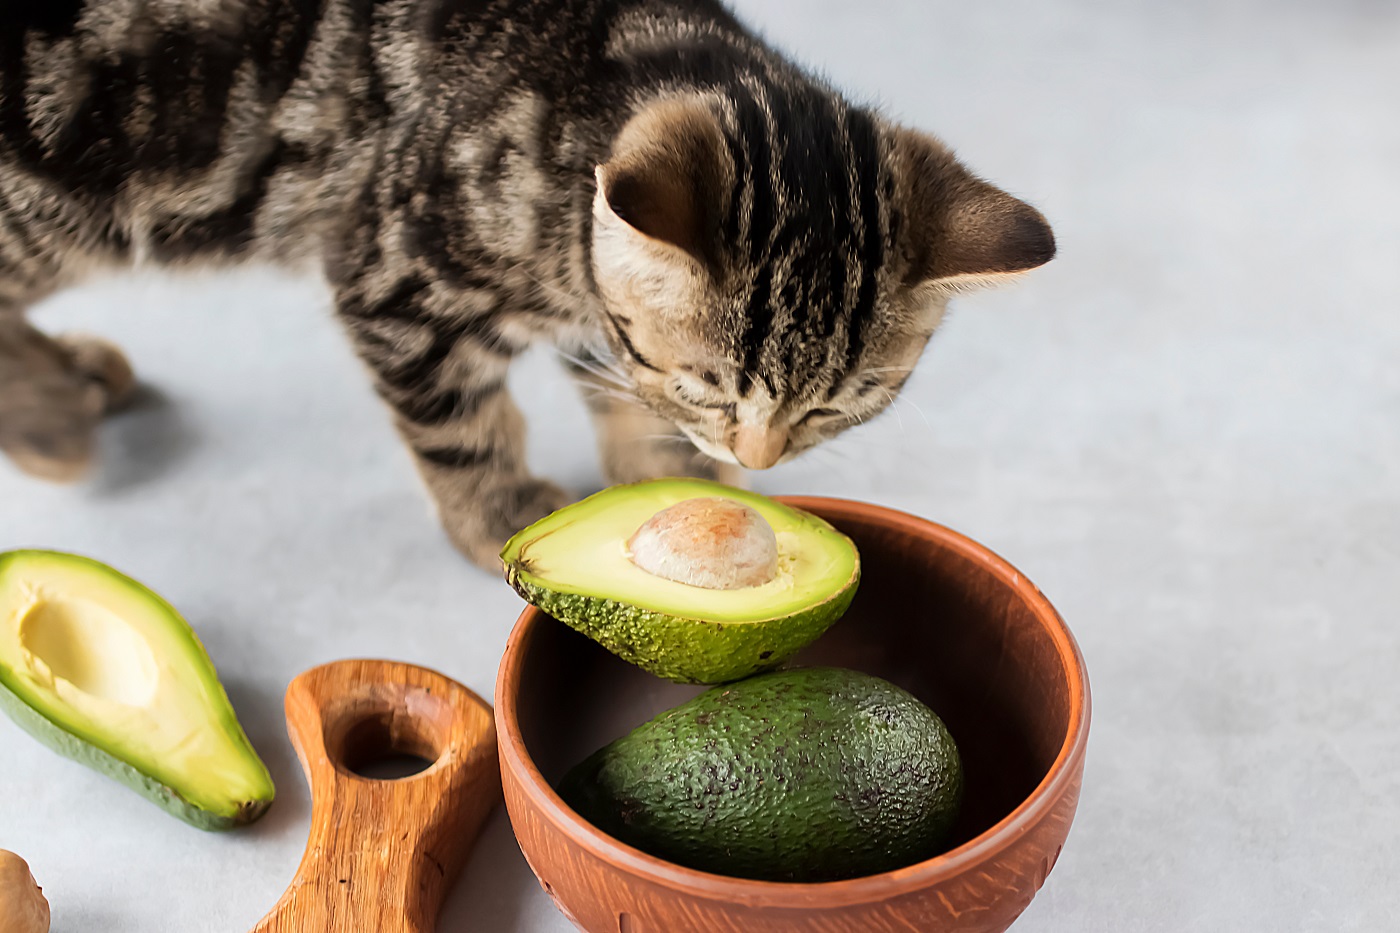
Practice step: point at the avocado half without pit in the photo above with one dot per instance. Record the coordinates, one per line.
(694, 581)
(104, 671)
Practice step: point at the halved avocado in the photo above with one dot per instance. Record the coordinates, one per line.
(104, 671)
(575, 566)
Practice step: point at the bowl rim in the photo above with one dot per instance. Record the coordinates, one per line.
(778, 894)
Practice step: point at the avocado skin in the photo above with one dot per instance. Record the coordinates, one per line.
(686, 651)
(680, 641)
(70, 746)
(65, 742)
(807, 775)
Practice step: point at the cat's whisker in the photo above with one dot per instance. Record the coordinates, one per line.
(609, 363)
(544, 286)
(594, 367)
(617, 371)
(595, 382)
(919, 411)
(890, 406)
(673, 438)
(895, 400)
(602, 382)
(609, 380)
(614, 394)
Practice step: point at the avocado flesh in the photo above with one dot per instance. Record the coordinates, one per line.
(805, 775)
(574, 565)
(104, 671)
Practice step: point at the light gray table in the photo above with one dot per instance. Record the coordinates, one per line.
(1185, 430)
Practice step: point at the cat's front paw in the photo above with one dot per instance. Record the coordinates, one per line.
(48, 425)
(481, 528)
(52, 398)
(103, 363)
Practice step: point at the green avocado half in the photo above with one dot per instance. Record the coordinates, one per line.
(104, 671)
(575, 566)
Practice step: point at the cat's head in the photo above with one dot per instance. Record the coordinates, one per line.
(772, 270)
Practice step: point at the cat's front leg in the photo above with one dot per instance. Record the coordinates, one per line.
(634, 443)
(474, 467)
(445, 378)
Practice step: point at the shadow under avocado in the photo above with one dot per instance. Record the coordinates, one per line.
(265, 723)
(142, 443)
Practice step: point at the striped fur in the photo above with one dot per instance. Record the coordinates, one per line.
(721, 246)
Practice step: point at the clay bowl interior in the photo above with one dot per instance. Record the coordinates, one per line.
(936, 614)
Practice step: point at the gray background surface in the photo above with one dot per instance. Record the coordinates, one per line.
(1186, 430)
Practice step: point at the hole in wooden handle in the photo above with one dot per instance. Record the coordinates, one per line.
(389, 735)
(391, 767)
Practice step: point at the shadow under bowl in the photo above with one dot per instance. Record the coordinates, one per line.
(937, 614)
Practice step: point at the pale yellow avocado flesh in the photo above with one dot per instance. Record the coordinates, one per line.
(582, 549)
(574, 565)
(104, 659)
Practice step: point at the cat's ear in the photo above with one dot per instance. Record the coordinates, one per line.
(662, 183)
(959, 229)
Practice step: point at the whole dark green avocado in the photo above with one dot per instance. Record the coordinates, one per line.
(806, 775)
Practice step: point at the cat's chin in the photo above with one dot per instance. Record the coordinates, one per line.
(711, 449)
(724, 455)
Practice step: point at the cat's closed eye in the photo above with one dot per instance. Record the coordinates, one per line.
(689, 396)
(818, 415)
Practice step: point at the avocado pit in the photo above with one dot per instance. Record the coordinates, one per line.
(709, 542)
(692, 580)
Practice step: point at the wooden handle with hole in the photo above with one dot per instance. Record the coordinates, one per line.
(382, 854)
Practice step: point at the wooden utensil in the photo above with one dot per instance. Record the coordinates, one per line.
(382, 853)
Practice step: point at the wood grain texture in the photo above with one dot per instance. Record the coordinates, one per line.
(382, 853)
(939, 615)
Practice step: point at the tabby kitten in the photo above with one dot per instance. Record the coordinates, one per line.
(722, 247)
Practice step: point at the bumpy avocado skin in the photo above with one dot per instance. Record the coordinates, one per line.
(807, 775)
(687, 651)
(681, 643)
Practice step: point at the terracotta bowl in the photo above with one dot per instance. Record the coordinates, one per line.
(936, 613)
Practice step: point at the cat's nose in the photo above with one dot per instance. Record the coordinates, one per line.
(759, 446)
